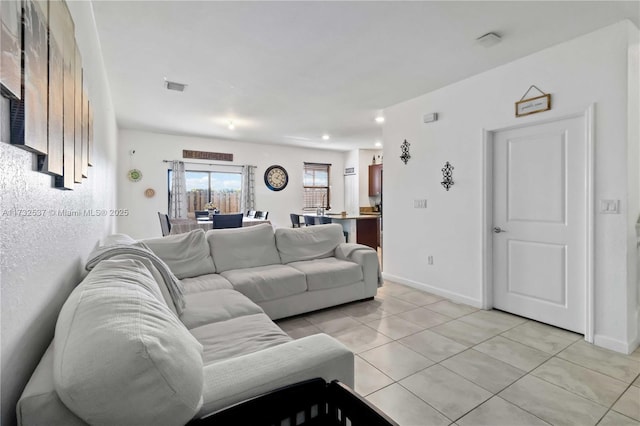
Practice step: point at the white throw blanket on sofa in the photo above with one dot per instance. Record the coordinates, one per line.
(140, 249)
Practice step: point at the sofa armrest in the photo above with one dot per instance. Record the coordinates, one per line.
(366, 257)
(237, 379)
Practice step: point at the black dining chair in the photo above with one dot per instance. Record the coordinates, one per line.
(165, 225)
(309, 220)
(202, 214)
(295, 220)
(261, 215)
(323, 220)
(251, 214)
(224, 221)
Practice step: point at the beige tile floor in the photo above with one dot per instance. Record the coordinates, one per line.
(425, 360)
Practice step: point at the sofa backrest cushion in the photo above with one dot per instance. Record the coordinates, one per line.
(240, 248)
(311, 242)
(121, 356)
(162, 290)
(187, 255)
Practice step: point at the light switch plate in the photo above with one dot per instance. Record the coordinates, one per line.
(610, 206)
(419, 204)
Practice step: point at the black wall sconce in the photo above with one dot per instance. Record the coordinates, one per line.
(447, 179)
(405, 151)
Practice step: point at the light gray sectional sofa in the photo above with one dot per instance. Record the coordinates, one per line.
(169, 329)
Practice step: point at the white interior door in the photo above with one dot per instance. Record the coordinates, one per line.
(540, 235)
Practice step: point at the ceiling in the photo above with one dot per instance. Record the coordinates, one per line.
(289, 72)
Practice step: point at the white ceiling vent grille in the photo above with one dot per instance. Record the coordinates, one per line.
(489, 39)
(172, 85)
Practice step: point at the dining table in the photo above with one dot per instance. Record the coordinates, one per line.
(180, 227)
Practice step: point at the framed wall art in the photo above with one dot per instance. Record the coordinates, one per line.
(29, 113)
(53, 161)
(10, 48)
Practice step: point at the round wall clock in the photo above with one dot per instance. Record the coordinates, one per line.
(134, 175)
(276, 178)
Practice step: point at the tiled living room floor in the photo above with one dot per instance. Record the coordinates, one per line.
(424, 360)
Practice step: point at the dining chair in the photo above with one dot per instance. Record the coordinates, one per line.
(165, 225)
(309, 220)
(251, 214)
(295, 220)
(223, 221)
(202, 214)
(323, 220)
(261, 215)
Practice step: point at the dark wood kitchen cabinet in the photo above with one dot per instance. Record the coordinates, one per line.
(375, 180)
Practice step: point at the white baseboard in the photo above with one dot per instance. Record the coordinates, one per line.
(456, 297)
(615, 345)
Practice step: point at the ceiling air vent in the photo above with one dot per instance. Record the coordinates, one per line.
(172, 85)
(489, 39)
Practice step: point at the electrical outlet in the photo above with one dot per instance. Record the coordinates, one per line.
(419, 204)
(430, 260)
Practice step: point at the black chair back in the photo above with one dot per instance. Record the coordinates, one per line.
(202, 214)
(262, 215)
(295, 220)
(251, 213)
(309, 220)
(223, 221)
(323, 220)
(165, 225)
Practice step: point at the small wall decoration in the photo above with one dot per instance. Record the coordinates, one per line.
(533, 105)
(447, 179)
(134, 175)
(405, 151)
(204, 155)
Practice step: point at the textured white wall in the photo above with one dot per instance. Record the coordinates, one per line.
(152, 148)
(42, 258)
(590, 69)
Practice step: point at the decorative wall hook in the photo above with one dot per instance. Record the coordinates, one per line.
(447, 179)
(405, 151)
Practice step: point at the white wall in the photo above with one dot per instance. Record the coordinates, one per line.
(152, 148)
(43, 257)
(591, 69)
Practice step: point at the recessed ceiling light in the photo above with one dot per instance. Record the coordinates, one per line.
(325, 137)
(379, 119)
(378, 144)
(231, 125)
(489, 39)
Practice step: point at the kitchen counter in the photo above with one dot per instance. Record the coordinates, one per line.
(363, 228)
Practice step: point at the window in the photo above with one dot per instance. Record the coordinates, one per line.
(222, 189)
(316, 186)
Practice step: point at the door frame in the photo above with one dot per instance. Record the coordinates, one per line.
(487, 212)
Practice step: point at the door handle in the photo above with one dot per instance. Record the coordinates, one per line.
(497, 230)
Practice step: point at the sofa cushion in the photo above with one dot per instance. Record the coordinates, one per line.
(206, 282)
(329, 273)
(217, 305)
(267, 282)
(157, 278)
(187, 255)
(238, 336)
(311, 242)
(121, 356)
(240, 248)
